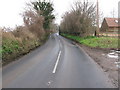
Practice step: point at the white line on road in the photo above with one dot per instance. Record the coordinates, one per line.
(58, 58)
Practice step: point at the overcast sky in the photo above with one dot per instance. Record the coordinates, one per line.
(10, 10)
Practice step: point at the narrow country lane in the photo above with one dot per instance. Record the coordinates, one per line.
(57, 64)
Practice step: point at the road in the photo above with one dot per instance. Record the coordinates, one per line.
(59, 63)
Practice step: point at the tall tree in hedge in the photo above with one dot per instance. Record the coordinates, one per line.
(45, 9)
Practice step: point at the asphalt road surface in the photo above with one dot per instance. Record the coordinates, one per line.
(59, 63)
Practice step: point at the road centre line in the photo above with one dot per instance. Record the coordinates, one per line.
(56, 64)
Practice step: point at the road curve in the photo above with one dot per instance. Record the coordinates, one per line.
(57, 64)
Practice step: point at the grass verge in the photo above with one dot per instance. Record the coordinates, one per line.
(96, 42)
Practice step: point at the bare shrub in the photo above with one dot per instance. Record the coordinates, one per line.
(8, 35)
(16, 43)
(24, 33)
(34, 23)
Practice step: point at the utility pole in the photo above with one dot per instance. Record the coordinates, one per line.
(98, 31)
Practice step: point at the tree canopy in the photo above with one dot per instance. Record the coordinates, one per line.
(45, 9)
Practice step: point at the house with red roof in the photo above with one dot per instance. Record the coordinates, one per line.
(110, 25)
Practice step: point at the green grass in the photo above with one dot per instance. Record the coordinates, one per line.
(10, 46)
(101, 42)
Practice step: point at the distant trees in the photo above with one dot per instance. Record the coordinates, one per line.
(80, 20)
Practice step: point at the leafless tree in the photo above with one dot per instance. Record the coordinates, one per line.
(81, 19)
(34, 22)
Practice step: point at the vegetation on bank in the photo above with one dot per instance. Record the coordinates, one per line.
(13, 46)
(32, 34)
(92, 41)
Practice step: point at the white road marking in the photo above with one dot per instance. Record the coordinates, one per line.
(58, 58)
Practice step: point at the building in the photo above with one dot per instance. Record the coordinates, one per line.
(110, 25)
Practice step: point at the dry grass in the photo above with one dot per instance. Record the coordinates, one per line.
(22, 33)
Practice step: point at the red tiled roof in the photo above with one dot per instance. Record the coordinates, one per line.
(112, 22)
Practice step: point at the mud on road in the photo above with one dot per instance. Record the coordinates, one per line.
(107, 59)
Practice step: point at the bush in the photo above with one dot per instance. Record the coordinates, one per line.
(17, 43)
